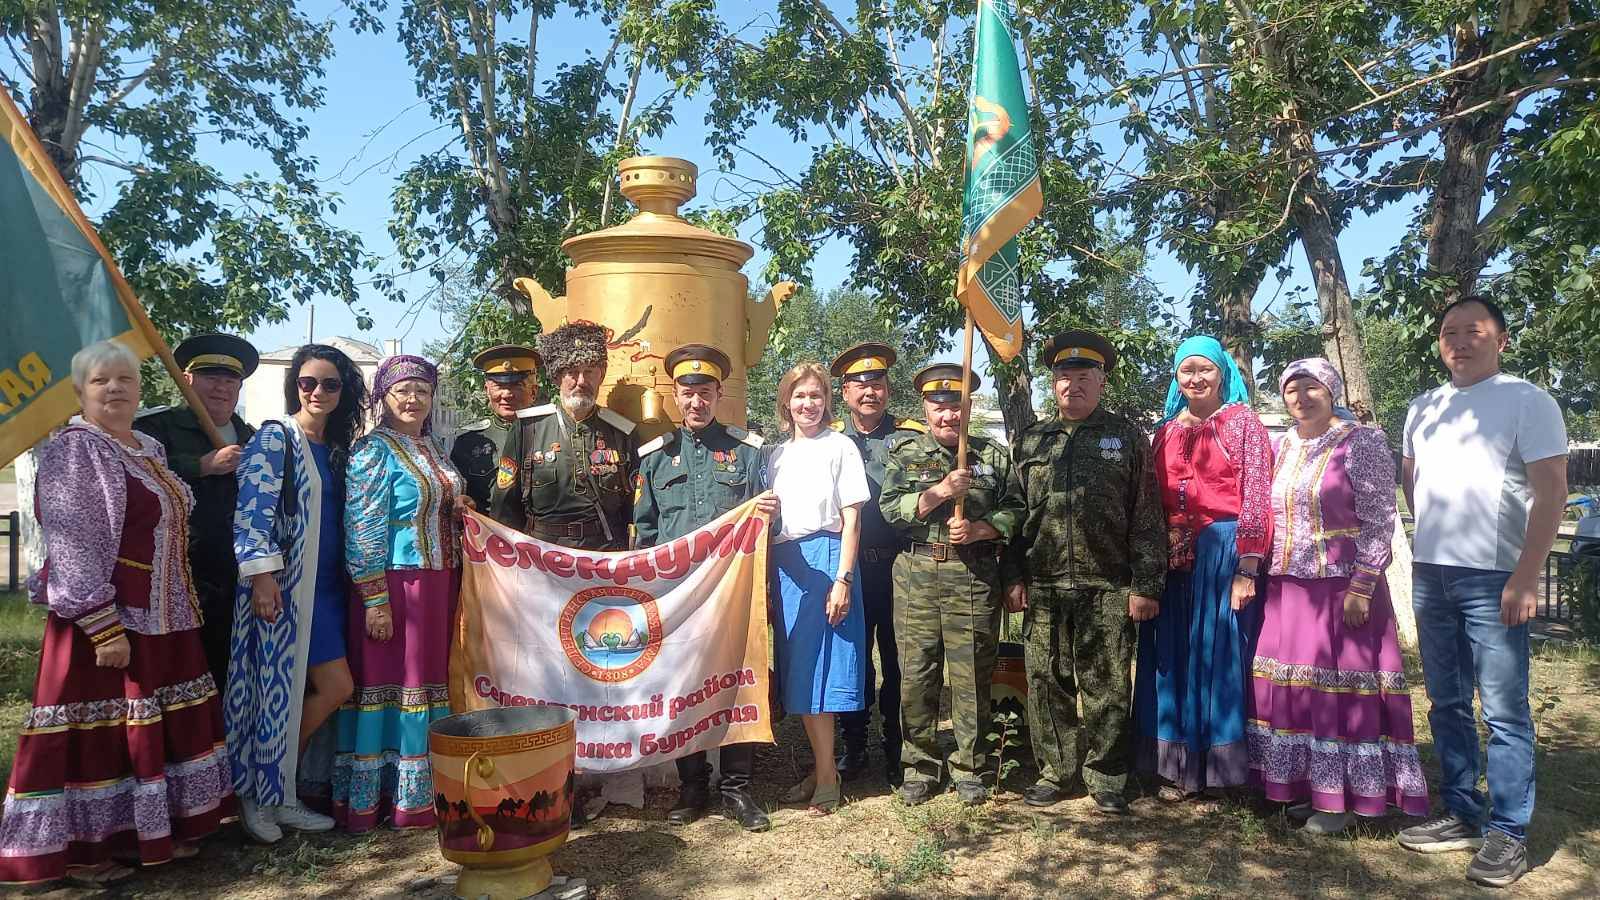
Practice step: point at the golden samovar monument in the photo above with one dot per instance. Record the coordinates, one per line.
(655, 282)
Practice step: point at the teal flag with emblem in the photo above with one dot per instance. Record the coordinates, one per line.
(1002, 189)
(58, 285)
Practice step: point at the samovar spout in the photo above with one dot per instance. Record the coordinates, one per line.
(759, 316)
(550, 311)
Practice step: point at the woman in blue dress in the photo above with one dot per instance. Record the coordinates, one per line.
(288, 673)
(819, 627)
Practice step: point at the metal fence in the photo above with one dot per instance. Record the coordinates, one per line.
(11, 530)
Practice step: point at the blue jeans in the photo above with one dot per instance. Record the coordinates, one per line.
(1462, 639)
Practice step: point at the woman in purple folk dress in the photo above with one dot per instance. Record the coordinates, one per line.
(1330, 730)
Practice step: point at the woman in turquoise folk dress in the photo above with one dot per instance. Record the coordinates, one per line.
(402, 547)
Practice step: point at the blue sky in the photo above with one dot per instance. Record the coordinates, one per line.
(373, 126)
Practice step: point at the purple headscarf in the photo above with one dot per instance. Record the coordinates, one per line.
(396, 369)
(1323, 373)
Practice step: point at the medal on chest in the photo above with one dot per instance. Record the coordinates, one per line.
(1111, 448)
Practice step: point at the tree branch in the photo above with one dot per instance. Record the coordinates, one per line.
(1512, 97)
(135, 168)
(622, 129)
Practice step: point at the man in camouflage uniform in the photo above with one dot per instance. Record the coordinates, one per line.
(216, 365)
(488, 452)
(578, 458)
(688, 478)
(863, 371)
(1086, 564)
(947, 585)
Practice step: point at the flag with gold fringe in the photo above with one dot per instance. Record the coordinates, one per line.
(59, 288)
(1002, 188)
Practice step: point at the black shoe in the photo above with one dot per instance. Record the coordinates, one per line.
(1110, 803)
(853, 764)
(971, 793)
(742, 808)
(691, 805)
(1041, 795)
(894, 773)
(1500, 861)
(916, 793)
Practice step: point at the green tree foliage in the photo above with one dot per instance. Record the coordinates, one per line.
(814, 328)
(128, 97)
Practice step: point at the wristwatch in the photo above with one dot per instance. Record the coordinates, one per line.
(846, 578)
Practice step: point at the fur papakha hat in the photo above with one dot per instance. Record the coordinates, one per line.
(572, 345)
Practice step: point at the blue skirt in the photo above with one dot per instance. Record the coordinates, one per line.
(1194, 672)
(821, 667)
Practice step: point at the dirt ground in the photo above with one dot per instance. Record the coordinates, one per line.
(875, 847)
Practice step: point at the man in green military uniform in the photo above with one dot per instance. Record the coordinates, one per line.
(488, 453)
(863, 371)
(947, 584)
(1089, 560)
(578, 458)
(686, 479)
(216, 365)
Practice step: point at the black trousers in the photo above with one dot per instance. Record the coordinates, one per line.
(216, 630)
(738, 761)
(877, 594)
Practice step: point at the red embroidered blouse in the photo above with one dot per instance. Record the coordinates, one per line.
(1217, 470)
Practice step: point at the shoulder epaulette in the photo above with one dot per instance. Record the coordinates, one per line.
(534, 412)
(617, 420)
(657, 443)
(479, 425)
(152, 411)
(838, 425)
(911, 425)
(895, 441)
(745, 437)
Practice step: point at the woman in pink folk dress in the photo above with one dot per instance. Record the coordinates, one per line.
(1330, 728)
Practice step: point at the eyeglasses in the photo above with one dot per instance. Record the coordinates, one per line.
(413, 393)
(329, 385)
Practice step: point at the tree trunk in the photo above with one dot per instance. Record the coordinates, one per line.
(1014, 385)
(1239, 328)
(1341, 338)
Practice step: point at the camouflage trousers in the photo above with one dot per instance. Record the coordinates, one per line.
(1078, 647)
(947, 616)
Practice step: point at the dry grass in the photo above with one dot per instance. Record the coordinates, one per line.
(875, 847)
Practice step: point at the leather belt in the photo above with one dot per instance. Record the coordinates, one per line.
(555, 530)
(945, 552)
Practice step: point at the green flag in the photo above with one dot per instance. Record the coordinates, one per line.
(1002, 190)
(59, 288)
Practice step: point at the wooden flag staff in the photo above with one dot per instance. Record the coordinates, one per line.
(966, 407)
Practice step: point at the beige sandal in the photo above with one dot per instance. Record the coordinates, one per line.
(185, 850)
(801, 792)
(100, 875)
(825, 800)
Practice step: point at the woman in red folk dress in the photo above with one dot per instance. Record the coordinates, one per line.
(1214, 464)
(121, 758)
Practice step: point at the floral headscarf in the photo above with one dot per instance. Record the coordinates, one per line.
(1324, 373)
(396, 369)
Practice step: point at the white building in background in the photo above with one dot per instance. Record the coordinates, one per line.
(262, 395)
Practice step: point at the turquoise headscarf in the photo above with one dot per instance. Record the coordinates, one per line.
(1233, 388)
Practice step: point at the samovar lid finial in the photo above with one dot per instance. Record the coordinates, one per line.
(658, 184)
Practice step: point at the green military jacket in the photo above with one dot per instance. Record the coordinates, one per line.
(874, 449)
(688, 478)
(918, 462)
(488, 455)
(1093, 517)
(211, 556)
(576, 472)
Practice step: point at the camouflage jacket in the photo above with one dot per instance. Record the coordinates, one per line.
(1093, 517)
(874, 448)
(918, 462)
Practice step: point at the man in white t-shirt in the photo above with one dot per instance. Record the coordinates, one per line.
(1485, 473)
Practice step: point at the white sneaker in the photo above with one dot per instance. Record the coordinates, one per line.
(258, 823)
(298, 818)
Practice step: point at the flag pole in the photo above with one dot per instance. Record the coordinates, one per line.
(966, 406)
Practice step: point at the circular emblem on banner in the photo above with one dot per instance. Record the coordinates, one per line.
(611, 634)
(506, 475)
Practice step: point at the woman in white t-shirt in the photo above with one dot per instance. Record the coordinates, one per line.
(819, 631)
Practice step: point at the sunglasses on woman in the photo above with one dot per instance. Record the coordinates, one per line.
(329, 385)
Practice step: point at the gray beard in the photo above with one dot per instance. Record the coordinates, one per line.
(577, 405)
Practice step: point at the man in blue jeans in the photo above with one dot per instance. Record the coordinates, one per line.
(1485, 472)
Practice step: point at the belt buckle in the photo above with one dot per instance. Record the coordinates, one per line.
(941, 552)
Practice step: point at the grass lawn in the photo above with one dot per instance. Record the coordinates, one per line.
(876, 847)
